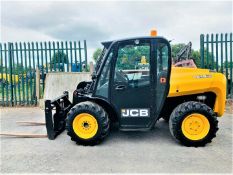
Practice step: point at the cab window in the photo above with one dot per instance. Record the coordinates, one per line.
(162, 57)
(103, 83)
(133, 64)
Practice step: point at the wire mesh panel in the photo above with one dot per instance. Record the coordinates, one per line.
(19, 62)
(216, 54)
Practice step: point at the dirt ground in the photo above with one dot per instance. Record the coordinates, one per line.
(121, 152)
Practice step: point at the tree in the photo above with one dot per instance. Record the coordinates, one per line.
(59, 57)
(1, 67)
(97, 54)
(19, 68)
(176, 48)
(195, 55)
(208, 64)
(227, 64)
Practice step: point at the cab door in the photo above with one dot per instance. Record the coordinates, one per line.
(133, 83)
(140, 81)
(163, 69)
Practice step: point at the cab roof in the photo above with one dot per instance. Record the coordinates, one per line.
(108, 43)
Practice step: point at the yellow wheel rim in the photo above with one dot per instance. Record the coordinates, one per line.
(195, 126)
(85, 125)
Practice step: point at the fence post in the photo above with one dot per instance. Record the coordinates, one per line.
(80, 56)
(231, 66)
(2, 69)
(10, 57)
(85, 52)
(37, 84)
(202, 50)
(216, 40)
(207, 52)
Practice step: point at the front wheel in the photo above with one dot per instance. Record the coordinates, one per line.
(193, 124)
(87, 123)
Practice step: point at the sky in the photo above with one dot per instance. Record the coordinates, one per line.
(97, 21)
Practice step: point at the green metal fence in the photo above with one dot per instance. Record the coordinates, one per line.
(216, 54)
(19, 62)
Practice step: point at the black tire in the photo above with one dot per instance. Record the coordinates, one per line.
(98, 113)
(185, 109)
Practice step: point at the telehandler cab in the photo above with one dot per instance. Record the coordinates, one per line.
(135, 85)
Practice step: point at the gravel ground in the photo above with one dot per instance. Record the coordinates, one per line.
(121, 152)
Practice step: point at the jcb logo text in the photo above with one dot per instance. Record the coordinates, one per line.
(135, 113)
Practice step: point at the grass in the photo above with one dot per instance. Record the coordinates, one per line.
(23, 93)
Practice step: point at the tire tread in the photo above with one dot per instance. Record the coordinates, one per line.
(98, 112)
(184, 109)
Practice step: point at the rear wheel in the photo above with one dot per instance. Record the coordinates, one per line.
(87, 123)
(193, 124)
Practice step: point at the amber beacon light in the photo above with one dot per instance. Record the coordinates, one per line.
(153, 32)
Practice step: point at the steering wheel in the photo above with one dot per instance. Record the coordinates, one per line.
(124, 75)
(121, 76)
